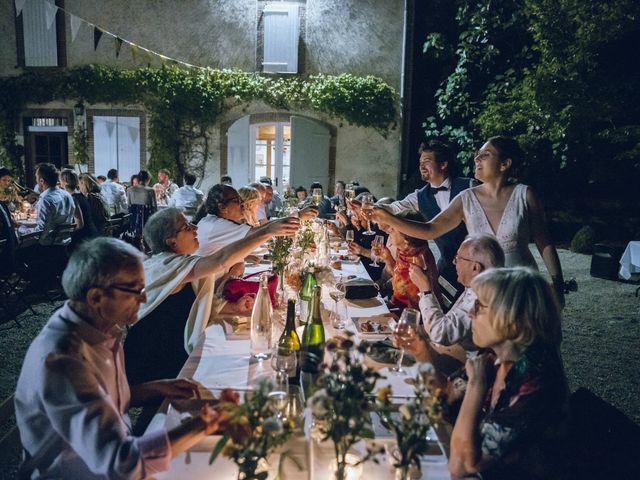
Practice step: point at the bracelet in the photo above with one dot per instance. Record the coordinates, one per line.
(426, 292)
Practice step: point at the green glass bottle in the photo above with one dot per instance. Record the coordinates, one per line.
(312, 352)
(289, 340)
(306, 294)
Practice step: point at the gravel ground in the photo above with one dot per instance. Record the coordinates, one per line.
(601, 329)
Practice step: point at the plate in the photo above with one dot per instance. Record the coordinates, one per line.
(384, 352)
(376, 326)
(236, 328)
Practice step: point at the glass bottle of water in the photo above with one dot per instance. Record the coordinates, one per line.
(261, 322)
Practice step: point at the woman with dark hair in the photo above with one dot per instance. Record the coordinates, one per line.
(510, 211)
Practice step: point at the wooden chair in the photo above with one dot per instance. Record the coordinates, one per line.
(11, 439)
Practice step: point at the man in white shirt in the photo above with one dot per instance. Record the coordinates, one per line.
(72, 396)
(114, 193)
(188, 198)
(476, 254)
(164, 189)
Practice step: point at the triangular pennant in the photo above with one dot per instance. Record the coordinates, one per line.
(118, 46)
(75, 26)
(97, 35)
(50, 11)
(133, 133)
(19, 6)
(134, 52)
(110, 127)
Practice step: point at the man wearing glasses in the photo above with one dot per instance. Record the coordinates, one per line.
(476, 254)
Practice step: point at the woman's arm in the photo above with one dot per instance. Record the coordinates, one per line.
(465, 454)
(77, 215)
(444, 222)
(544, 244)
(235, 252)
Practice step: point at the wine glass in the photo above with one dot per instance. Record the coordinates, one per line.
(284, 362)
(367, 209)
(377, 242)
(418, 261)
(349, 236)
(316, 196)
(337, 295)
(405, 330)
(349, 191)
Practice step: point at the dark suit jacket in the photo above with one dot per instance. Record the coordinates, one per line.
(448, 243)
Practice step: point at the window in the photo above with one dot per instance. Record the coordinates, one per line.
(41, 34)
(281, 33)
(116, 144)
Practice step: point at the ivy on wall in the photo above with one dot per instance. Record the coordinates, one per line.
(182, 101)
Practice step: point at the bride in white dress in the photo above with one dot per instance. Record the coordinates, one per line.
(510, 211)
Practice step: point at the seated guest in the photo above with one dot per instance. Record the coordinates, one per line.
(8, 192)
(165, 188)
(261, 213)
(513, 412)
(476, 254)
(226, 180)
(250, 203)
(273, 200)
(187, 198)
(301, 194)
(324, 208)
(180, 292)
(114, 194)
(409, 251)
(90, 188)
(338, 198)
(72, 396)
(142, 203)
(85, 227)
(55, 206)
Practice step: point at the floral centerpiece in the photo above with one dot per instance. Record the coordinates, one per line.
(253, 429)
(343, 400)
(280, 248)
(414, 420)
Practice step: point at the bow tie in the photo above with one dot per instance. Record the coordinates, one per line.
(440, 189)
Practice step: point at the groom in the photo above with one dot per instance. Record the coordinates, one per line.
(436, 165)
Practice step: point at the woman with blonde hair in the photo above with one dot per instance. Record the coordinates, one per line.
(251, 200)
(513, 413)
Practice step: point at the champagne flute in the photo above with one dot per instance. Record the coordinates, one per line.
(337, 295)
(367, 209)
(418, 261)
(316, 196)
(376, 243)
(405, 330)
(284, 362)
(349, 191)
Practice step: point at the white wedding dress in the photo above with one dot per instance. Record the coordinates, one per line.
(513, 231)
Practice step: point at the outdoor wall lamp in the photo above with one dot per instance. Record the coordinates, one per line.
(78, 109)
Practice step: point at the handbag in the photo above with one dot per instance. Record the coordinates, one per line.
(360, 289)
(235, 288)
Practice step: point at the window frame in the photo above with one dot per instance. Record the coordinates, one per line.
(61, 40)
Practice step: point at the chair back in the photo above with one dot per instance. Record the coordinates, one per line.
(61, 234)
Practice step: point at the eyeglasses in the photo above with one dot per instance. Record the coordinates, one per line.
(460, 257)
(133, 291)
(476, 307)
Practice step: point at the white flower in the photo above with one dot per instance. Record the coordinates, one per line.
(405, 412)
(426, 369)
(318, 403)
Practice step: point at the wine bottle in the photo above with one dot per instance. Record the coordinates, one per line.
(261, 322)
(306, 294)
(312, 352)
(289, 340)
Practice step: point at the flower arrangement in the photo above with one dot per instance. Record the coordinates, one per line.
(343, 400)
(253, 429)
(306, 237)
(279, 248)
(415, 418)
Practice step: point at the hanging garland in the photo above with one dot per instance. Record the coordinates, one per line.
(177, 98)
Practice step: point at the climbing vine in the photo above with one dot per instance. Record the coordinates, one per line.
(184, 103)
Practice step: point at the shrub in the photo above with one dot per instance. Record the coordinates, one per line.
(584, 240)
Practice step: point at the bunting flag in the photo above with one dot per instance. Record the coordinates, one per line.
(75, 26)
(110, 128)
(19, 6)
(134, 52)
(97, 35)
(76, 21)
(118, 44)
(133, 133)
(50, 11)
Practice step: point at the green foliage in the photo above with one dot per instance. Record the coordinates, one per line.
(185, 101)
(80, 146)
(555, 74)
(584, 240)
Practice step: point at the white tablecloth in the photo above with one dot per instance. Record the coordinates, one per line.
(630, 261)
(218, 362)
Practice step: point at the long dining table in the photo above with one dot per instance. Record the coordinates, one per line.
(221, 360)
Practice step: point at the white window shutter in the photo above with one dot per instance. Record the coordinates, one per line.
(40, 42)
(281, 32)
(116, 144)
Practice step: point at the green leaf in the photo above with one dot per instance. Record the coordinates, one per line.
(218, 448)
